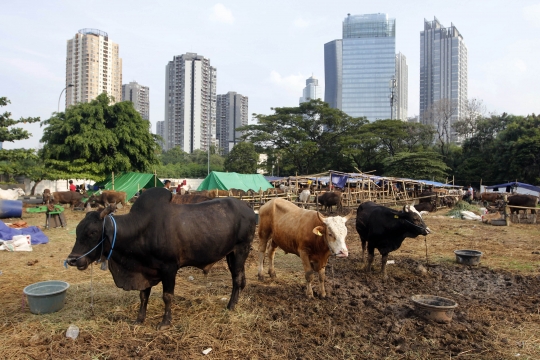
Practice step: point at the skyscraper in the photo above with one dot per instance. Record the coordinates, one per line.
(312, 90)
(160, 130)
(190, 103)
(333, 62)
(232, 112)
(93, 66)
(443, 70)
(369, 50)
(402, 88)
(139, 95)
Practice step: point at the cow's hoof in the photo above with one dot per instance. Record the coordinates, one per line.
(163, 326)
(260, 277)
(272, 274)
(138, 322)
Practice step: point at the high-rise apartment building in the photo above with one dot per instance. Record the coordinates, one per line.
(190, 103)
(401, 102)
(312, 90)
(160, 130)
(333, 62)
(93, 66)
(369, 50)
(232, 113)
(443, 71)
(139, 95)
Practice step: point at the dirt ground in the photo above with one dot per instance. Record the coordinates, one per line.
(498, 313)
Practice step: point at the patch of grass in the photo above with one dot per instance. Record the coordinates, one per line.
(460, 206)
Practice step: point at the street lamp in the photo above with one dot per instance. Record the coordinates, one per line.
(69, 85)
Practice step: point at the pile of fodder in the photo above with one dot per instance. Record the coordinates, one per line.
(461, 206)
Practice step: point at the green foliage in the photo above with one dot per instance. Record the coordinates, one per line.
(421, 165)
(10, 160)
(179, 164)
(305, 139)
(242, 159)
(90, 140)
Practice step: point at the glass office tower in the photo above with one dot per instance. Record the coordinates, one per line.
(369, 64)
(333, 61)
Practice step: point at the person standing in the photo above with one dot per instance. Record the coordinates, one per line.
(167, 184)
(470, 192)
(72, 186)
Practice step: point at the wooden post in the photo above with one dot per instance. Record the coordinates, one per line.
(481, 186)
(113, 180)
(155, 178)
(505, 210)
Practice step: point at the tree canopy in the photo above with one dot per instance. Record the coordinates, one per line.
(90, 140)
(242, 159)
(177, 163)
(11, 160)
(304, 139)
(426, 165)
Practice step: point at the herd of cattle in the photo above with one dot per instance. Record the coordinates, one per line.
(143, 247)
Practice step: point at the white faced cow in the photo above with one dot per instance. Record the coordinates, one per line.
(305, 233)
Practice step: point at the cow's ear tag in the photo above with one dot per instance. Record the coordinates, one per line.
(316, 231)
(397, 217)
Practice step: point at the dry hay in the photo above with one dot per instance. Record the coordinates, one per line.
(363, 318)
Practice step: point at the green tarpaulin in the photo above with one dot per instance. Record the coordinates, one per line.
(130, 183)
(232, 180)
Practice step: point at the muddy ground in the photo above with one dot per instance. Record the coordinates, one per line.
(498, 313)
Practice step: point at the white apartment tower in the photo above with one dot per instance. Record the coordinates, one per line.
(139, 95)
(402, 88)
(93, 66)
(232, 113)
(312, 90)
(190, 103)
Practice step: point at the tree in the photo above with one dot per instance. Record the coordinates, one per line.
(472, 112)
(419, 165)
(242, 159)
(10, 160)
(90, 140)
(310, 138)
(178, 163)
(440, 115)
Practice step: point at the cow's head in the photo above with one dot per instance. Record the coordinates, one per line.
(87, 248)
(413, 217)
(334, 233)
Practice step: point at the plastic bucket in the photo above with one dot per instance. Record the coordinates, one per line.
(10, 209)
(46, 296)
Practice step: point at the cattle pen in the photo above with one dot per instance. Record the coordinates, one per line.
(354, 188)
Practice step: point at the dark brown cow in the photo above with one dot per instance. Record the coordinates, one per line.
(304, 233)
(73, 198)
(329, 199)
(108, 197)
(490, 197)
(425, 206)
(189, 199)
(522, 200)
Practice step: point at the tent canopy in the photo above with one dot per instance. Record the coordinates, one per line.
(515, 184)
(130, 182)
(226, 181)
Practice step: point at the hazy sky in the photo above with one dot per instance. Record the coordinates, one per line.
(262, 49)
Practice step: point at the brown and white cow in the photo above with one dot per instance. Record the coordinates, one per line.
(305, 233)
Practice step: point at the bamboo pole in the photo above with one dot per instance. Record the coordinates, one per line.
(113, 180)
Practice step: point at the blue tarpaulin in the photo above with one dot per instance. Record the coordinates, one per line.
(36, 235)
(438, 184)
(515, 184)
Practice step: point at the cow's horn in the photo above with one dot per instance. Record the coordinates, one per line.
(109, 209)
(349, 215)
(322, 218)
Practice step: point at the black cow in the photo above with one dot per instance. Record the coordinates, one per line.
(522, 200)
(385, 229)
(425, 206)
(157, 238)
(329, 199)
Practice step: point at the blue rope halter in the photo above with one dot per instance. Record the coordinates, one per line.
(101, 242)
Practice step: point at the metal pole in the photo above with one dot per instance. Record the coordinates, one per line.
(69, 85)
